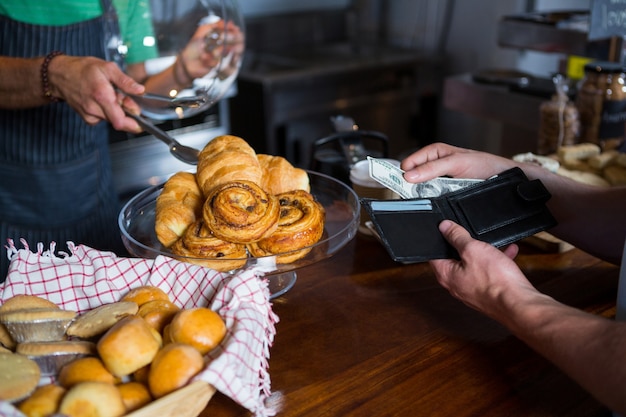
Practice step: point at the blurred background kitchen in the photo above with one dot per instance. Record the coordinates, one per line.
(415, 70)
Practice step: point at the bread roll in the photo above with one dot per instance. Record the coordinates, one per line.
(129, 345)
(44, 401)
(199, 327)
(173, 367)
(280, 176)
(300, 225)
(25, 302)
(134, 395)
(158, 313)
(201, 247)
(240, 212)
(145, 293)
(178, 205)
(89, 399)
(225, 159)
(83, 370)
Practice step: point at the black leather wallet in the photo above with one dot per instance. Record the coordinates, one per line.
(499, 211)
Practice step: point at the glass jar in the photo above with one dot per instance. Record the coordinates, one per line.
(601, 103)
(559, 124)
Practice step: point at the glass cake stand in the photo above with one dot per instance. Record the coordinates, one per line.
(137, 217)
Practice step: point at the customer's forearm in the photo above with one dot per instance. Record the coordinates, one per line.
(590, 217)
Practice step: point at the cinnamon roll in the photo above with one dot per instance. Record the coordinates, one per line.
(300, 225)
(241, 212)
(178, 205)
(199, 246)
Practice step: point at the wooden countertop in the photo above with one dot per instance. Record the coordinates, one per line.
(360, 335)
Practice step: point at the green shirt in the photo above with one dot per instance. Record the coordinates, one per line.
(134, 16)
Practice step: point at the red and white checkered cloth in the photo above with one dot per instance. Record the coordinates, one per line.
(87, 278)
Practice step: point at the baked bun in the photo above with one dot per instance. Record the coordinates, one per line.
(19, 376)
(134, 395)
(44, 401)
(129, 345)
(173, 367)
(89, 399)
(199, 327)
(200, 246)
(240, 212)
(280, 176)
(300, 225)
(158, 313)
(143, 294)
(178, 205)
(5, 338)
(225, 159)
(83, 370)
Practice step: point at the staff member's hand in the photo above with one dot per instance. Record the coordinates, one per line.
(89, 86)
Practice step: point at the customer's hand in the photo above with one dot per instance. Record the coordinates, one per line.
(95, 89)
(484, 277)
(440, 159)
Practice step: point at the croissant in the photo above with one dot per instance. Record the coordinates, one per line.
(300, 225)
(224, 159)
(280, 176)
(178, 205)
(199, 246)
(241, 212)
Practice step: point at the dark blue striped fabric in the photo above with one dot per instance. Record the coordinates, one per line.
(55, 172)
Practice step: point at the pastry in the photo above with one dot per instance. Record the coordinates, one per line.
(19, 376)
(92, 399)
(52, 356)
(615, 175)
(199, 327)
(579, 151)
(240, 212)
(225, 159)
(98, 320)
(280, 176)
(300, 225)
(83, 370)
(173, 367)
(129, 345)
(44, 401)
(200, 246)
(5, 338)
(178, 205)
(37, 324)
(25, 302)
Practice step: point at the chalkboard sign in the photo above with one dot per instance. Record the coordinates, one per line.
(608, 19)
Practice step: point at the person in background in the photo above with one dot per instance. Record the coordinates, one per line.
(589, 348)
(58, 89)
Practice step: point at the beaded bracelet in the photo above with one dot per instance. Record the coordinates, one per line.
(45, 83)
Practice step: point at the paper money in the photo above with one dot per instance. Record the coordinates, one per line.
(392, 177)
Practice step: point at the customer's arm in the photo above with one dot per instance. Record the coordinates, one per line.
(591, 218)
(589, 348)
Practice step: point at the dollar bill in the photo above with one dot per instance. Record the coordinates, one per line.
(392, 177)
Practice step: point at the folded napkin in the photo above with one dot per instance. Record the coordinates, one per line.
(87, 278)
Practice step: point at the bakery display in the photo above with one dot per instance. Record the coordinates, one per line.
(241, 215)
(129, 363)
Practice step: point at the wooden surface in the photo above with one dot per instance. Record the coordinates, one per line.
(360, 335)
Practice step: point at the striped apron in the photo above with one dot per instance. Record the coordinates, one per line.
(55, 170)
